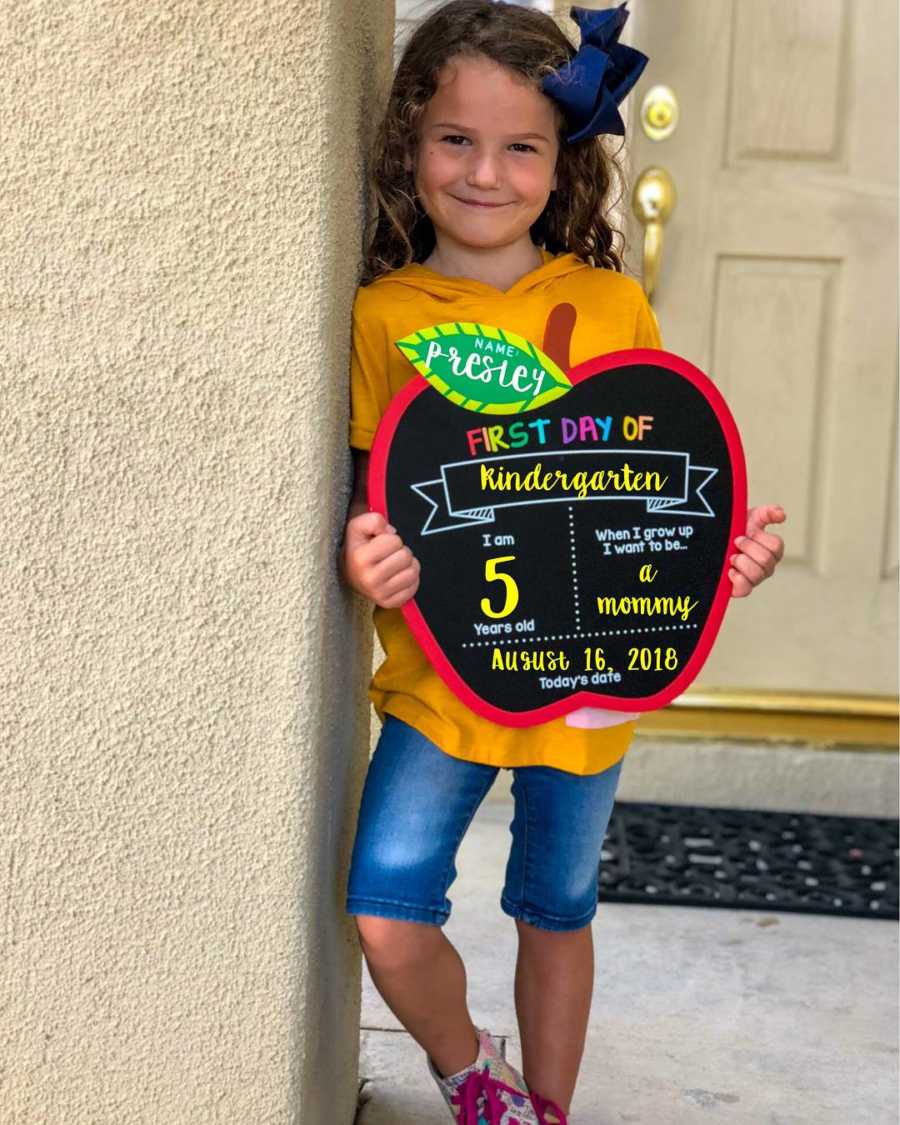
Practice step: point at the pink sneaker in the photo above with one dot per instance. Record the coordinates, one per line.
(488, 1092)
(548, 1112)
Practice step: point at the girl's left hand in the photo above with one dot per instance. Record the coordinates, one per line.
(759, 552)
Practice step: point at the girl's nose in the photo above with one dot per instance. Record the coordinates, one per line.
(483, 171)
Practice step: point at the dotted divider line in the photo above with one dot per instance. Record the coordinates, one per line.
(574, 636)
(574, 568)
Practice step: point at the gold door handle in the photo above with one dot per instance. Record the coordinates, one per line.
(653, 201)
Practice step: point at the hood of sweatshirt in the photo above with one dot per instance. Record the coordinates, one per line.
(455, 289)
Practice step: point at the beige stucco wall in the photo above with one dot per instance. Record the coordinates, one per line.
(182, 711)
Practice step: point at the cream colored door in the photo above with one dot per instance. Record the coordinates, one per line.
(779, 279)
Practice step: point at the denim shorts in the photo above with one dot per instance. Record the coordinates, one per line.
(416, 805)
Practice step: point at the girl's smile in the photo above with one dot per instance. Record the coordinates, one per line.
(478, 203)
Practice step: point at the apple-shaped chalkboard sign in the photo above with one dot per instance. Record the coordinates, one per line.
(573, 525)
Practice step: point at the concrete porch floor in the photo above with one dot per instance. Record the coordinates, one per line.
(697, 1015)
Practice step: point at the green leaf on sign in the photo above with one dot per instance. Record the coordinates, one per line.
(483, 368)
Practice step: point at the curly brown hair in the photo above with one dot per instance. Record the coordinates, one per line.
(531, 44)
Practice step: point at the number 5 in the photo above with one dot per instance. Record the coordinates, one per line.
(492, 574)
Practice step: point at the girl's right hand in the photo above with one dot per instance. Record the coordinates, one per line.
(376, 564)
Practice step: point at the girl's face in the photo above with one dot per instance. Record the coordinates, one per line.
(486, 159)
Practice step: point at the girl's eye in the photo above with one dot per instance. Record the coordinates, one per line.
(453, 137)
(521, 144)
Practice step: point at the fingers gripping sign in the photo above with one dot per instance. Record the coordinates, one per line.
(758, 551)
(376, 562)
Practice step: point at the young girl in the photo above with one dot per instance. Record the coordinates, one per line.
(492, 186)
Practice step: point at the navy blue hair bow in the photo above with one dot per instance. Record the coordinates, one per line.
(590, 87)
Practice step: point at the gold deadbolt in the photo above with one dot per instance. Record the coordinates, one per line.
(659, 113)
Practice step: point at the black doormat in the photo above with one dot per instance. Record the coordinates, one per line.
(688, 856)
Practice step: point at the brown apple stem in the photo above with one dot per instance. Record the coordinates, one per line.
(558, 334)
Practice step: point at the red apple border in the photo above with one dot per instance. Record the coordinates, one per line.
(626, 358)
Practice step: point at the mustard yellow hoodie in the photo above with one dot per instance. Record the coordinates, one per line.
(611, 313)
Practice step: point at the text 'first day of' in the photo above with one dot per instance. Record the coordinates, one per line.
(588, 429)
